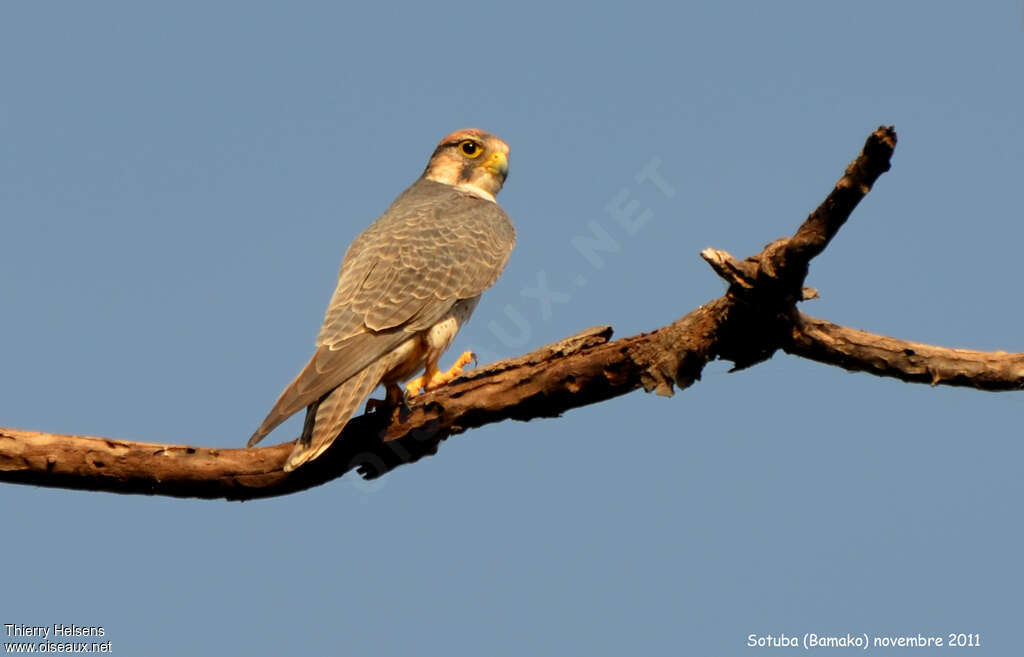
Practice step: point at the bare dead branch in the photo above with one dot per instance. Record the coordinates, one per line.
(755, 318)
(859, 351)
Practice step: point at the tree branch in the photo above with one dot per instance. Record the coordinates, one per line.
(855, 350)
(756, 317)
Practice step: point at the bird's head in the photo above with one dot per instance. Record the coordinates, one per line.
(472, 160)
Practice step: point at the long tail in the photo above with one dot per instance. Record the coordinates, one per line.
(327, 417)
(326, 369)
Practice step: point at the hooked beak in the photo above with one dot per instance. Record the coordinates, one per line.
(497, 164)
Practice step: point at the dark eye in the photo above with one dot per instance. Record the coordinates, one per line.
(470, 148)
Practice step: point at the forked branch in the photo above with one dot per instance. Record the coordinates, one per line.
(755, 318)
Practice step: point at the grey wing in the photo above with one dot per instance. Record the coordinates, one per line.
(434, 246)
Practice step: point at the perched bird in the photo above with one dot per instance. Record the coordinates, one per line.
(406, 285)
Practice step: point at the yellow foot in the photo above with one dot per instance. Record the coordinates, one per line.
(434, 378)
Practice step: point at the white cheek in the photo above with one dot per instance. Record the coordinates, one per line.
(447, 171)
(444, 171)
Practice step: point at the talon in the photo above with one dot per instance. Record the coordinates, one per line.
(413, 387)
(441, 378)
(466, 358)
(434, 378)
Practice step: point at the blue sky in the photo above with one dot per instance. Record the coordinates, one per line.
(178, 184)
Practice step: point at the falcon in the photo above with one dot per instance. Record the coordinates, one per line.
(406, 286)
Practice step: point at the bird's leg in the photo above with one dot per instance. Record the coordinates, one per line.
(413, 387)
(393, 398)
(454, 371)
(434, 378)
